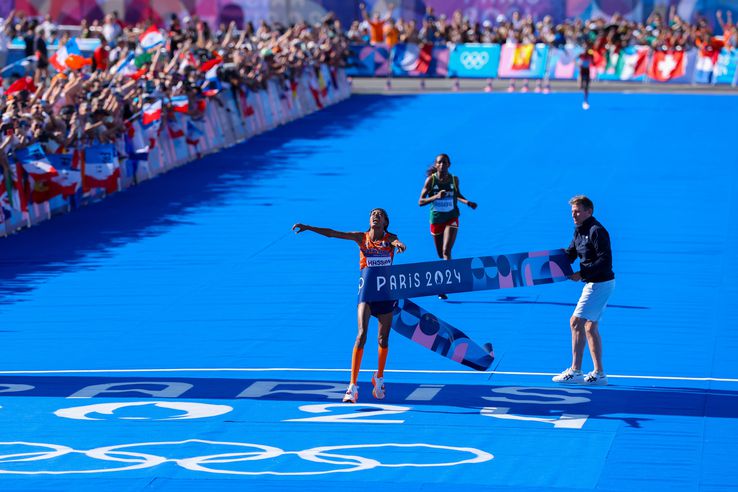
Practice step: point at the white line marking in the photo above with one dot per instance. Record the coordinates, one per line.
(310, 369)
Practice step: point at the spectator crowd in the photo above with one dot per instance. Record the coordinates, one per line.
(658, 32)
(66, 100)
(70, 99)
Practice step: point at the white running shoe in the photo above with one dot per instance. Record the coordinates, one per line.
(569, 376)
(352, 394)
(596, 378)
(378, 390)
(585, 106)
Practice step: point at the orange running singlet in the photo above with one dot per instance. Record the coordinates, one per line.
(376, 253)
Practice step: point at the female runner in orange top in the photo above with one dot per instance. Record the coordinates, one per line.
(376, 248)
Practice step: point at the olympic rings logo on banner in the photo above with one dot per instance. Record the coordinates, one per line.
(474, 60)
(245, 452)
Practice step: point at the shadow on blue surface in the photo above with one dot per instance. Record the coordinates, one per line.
(154, 206)
(625, 403)
(519, 300)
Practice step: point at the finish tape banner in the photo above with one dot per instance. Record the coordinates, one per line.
(426, 329)
(463, 275)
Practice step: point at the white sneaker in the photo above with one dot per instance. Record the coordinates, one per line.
(585, 106)
(378, 390)
(596, 378)
(352, 394)
(569, 376)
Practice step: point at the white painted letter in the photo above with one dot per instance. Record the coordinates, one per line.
(331, 391)
(550, 399)
(168, 389)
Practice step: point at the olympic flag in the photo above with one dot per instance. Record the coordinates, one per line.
(474, 60)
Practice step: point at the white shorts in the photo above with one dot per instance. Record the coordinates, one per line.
(594, 299)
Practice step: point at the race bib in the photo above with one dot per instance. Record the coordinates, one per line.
(378, 261)
(445, 204)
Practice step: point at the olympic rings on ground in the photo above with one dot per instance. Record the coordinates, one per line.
(136, 460)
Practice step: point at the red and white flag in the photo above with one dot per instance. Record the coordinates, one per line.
(667, 65)
(101, 168)
(151, 113)
(34, 162)
(151, 38)
(180, 104)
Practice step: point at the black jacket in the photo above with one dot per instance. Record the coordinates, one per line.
(591, 244)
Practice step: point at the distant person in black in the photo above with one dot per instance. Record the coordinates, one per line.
(591, 244)
(585, 64)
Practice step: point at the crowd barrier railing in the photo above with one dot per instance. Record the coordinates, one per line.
(37, 185)
(543, 62)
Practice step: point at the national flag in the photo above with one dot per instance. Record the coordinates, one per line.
(599, 59)
(631, 63)
(133, 66)
(180, 104)
(188, 60)
(522, 57)
(22, 84)
(34, 162)
(134, 157)
(293, 86)
(707, 60)
(69, 56)
(212, 85)
(321, 84)
(15, 195)
(100, 168)
(315, 91)
(334, 73)
(9, 200)
(151, 114)
(69, 179)
(43, 191)
(174, 128)
(151, 38)
(667, 65)
(207, 65)
(246, 108)
(611, 60)
(193, 133)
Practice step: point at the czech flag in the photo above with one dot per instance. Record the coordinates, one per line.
(209, 64)
(193, 133)
(174, 129)
(211, 86)
(34, 162)
(101, 168)
(151, 113)
(180, 104)
(69, 179)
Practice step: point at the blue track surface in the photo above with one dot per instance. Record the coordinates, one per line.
(242, 331)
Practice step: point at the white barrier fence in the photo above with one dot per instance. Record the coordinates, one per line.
(229, 118)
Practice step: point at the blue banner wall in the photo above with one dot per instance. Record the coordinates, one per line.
(474, 60)
(562, 62)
